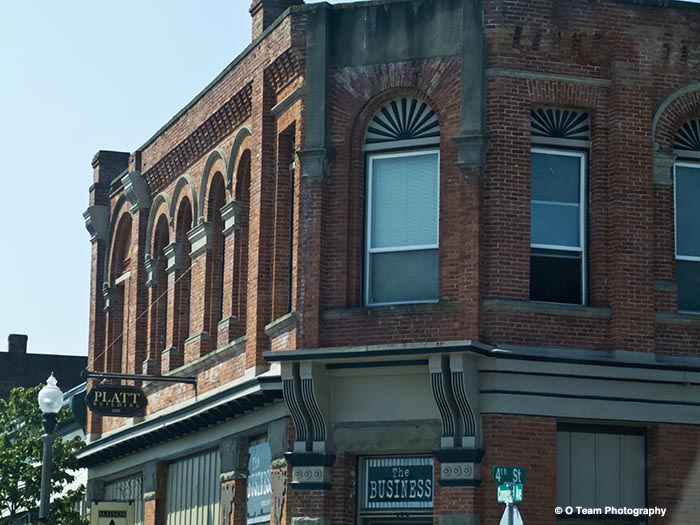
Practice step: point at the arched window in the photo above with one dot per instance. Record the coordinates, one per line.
(402, 211)
(120, 274)
(687, 203)
(183, 280)
(240, 244)
(215, 275)
(282, 274)
(159, 291)
(559, 171)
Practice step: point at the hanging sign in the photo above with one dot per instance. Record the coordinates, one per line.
(259, 487)
(112, 513)
(399, 482)
(116, 400)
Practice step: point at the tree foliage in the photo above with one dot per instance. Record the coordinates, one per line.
(21, 432)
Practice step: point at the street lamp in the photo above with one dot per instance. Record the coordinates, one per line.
(50, 401)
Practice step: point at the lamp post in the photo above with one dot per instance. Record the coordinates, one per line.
(50, 401)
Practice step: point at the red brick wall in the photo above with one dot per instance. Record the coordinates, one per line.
(530, 442)
(616, 60)
(673, 472)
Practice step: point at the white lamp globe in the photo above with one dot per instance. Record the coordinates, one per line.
(50, 397)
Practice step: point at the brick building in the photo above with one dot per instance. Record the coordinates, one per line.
(20, 368)
(400, 242)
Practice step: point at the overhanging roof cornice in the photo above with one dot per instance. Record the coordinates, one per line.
(412, 352)
(230, 403)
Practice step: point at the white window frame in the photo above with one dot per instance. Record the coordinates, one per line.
(694, 165)
(689, 258)
(368, 224)
(583, 156)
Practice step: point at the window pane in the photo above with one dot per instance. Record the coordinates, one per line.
(556, 177)
(404, 201)
(687, 206)
(555, 225)
(404, 276)
(555, 277)
(688, 281)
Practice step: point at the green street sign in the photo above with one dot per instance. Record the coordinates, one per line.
(503, 493)
(509, 474)
(511, 493)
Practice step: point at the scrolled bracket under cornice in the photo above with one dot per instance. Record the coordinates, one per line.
(136, 191)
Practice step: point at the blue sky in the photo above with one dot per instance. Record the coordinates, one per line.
(80, 76)
(77, 77)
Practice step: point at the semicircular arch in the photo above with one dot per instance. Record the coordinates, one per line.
(113, 223)
(214, 157)
(162, 199)
(678, 107)
(236, 147)
(184, 183)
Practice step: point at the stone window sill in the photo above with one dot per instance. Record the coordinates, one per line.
(535, 307)
(442, 306)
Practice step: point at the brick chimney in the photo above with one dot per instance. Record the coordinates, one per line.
(17, 344)
(264, 12)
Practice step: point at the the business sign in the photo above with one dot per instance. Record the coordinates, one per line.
(111, 513)
(118, 401)
(258, 485)
(399, 482)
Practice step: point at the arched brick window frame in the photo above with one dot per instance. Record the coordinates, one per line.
(359, 260)
(184, 220)
(676, 131)
(237, 245)
(158, 300)
(216, 199)
(120, 283)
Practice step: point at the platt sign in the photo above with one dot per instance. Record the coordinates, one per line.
(112, 513)
(116, 401)
(509, 475)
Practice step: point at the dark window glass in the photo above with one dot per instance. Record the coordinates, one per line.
(687, 207)
(688, 280)
(555, 276)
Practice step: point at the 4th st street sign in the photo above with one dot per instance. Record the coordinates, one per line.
(116, 401)
(509, 474)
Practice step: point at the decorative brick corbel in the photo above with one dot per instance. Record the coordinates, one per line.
(97, 222)
(173, 257)
(233, 451)
(136, 191)
(200, 238)
(306, 390)
(107, 296)
(663, 162)
(455, 386)
(151, 270)
(231, 216)
(471, 149)
(314, 163)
